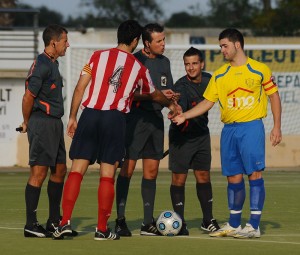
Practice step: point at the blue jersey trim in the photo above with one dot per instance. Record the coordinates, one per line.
(255, 71)
(222, 74)
(260, 74)
(220, 104)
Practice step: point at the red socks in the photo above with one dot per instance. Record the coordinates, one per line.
(70, 195)
(106, 193)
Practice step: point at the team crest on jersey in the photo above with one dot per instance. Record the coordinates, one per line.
(163, 81)
(249, 83)
(115, 79)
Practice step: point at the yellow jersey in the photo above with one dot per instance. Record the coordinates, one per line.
(242, 91)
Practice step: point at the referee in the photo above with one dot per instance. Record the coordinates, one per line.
(189, 143)
(42, 109)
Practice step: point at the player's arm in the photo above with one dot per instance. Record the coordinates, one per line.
(76, 100)
(170, 94)
(147, 88)
(137, 96)
(160, 98)
(275, 135)
(198, 110)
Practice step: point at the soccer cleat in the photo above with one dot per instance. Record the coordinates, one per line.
(36, 230)
(121, 227)
(62, 231)
(184, 230)
(107, 235)
(150, 229)
(248, 232)
(210, 226)
(52, 226)
(225, 230)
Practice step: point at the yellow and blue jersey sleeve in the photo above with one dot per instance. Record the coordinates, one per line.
(242, 91)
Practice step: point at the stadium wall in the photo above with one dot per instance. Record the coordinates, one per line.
(14, 146)
(285, 155)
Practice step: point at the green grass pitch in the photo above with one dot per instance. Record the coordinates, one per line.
(280, 224)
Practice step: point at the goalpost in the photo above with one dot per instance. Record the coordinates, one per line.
(284, 61)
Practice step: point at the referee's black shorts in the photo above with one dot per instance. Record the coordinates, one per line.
(100, 136)
(144, 135)
(189, 153)
(46, 140)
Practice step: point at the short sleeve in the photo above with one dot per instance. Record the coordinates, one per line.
(145, 82)
(211, 92)
(268, 82)
(39, 71)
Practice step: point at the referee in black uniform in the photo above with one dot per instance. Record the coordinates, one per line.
(42, 109)
(145, 132)
(189, 143)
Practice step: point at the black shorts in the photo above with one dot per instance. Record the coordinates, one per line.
(100, 135)
(189, 153)
(46, 140)
(144, 135)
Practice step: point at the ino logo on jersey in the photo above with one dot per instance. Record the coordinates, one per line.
(239, 103)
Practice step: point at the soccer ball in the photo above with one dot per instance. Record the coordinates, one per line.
(169, 223)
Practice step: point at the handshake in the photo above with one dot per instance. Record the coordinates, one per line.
(171, 95)
(175, 109)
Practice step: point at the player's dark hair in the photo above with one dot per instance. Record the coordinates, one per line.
(192, 52)
(128, 30)
(51, 32)
(233, 35)
(149, 29)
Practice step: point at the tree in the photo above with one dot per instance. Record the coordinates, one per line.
(262, 23)
(116, 11)
(286, 21)
(6, 19)
(46, 16)
(267, 5)
(281, 21)
(183, 19)
(231, 13)
(88, 21)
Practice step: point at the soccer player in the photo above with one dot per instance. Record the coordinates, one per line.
(145, 132)
(42, 109)
(242, 87)
(113, 76)
(189, 143)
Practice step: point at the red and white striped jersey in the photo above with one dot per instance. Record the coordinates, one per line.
(116, 74)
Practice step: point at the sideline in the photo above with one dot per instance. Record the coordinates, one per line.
(258, 240)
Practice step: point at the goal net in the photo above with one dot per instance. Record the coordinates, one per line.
(284, 61)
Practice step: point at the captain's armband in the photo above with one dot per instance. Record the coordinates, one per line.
(86, 70)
